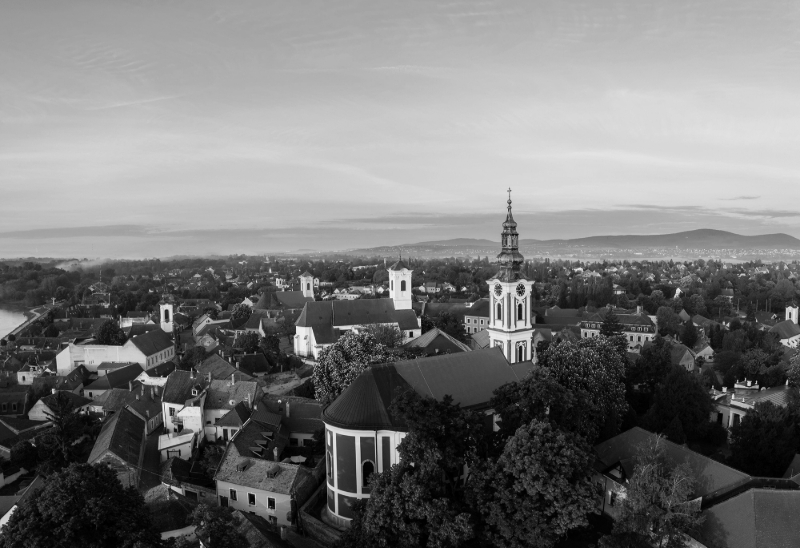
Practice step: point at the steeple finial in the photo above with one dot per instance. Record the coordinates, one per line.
(509, 197)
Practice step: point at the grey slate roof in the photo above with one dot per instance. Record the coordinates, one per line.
(116, 378)
(785, 329)
(757, 518)
(428, 338)
(153, 342)
(123, 435)
(469, 377)
(221, 393)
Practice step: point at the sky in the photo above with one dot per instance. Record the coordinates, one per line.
(132, 128)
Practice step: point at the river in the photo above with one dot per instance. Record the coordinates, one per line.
(10, 320)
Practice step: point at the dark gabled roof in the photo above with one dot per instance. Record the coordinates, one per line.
(220, 369)
(153, 342)
(236, 416)
(139, 329)
(785, 329)
(222, 393)
(712, 477)
(469, 377)
(304, 413)
(253, 363)
(481, 338)
(116, 378)
(282, 299)
(331, 314)
(178, 387)
(757, 518)
(399, 265)
(74, 399)
(439, 337)
(143, 399)
(123, 435)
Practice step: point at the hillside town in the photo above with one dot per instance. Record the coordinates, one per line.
(374, 402)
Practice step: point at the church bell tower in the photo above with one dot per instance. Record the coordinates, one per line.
(510, 295)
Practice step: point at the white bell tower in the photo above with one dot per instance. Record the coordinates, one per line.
(510, 296)
(400, 285)
(792, 313)
(307, 284)
(166, 316)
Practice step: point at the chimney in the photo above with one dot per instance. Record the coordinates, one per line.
(275, 454)
(52, 390)
(287, 409)
(209, 378)
(152, 392)
(137, 397)
(130, 386)
(147, 413)
(639, 309)
(142, 390)
(192, 372)
(248, 401)
(233, 379)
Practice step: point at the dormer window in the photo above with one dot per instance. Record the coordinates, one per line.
(194, 391)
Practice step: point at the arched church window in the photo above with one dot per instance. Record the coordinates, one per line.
(519, 311)
(391, 285)
(402, 285)
(166, 315)
(520, 353)
(367, 469)
(499, 313)
(308, 286)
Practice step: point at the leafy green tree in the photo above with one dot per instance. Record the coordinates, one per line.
(248, 342)
(217, 526)
(611, 326)
(668, 321)
(387, 335)
(656, 510)
(538, 490)
(540, 397)
(24, 454)
(110, 333)
(192, 358)
(450, 324)
(793, 372)
(689, 335)
(82, 505)
(595, 366)
(654, 363)
(697, 305)
(271, 344)
(754, 363)
(424, 503)
(59, 446)
(340, 363)
(680, 396)
(765, 441)
(240, 314)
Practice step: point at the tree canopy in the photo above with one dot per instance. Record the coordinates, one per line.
(340, 363)
(82, 505)
(656, 509)
(110, 333)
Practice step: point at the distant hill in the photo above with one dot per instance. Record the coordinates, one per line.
(702, 239)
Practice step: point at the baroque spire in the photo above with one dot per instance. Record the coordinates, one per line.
(510, 259)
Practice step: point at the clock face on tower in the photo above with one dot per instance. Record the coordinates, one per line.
(498, 289)
(520, 290)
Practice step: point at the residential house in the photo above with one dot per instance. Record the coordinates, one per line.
(221, 397)
(143, 401)
(637, 328)
(787, 332)
(731, 406)
(267, 488)
(436, 341)
(148, 350)
(117, 377)
(14, 430)
(121, 445)
(299, 417)
(43, 409)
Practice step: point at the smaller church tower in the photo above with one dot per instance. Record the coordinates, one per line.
(166, 316)
(792, 313)
(307, 284)
(400, 285)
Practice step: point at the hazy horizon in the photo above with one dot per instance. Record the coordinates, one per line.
(133, 129)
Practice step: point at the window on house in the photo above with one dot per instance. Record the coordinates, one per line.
(23, 378)
(233, 494)
(612, 499)
(330, 465)
(251, 499)
(171, 411)
(367, 469)
(13, 406)
(270, 503)
(481, 322)
(5, 407)
(402, 285)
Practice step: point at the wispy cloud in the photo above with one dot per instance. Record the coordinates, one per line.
(741, 198)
